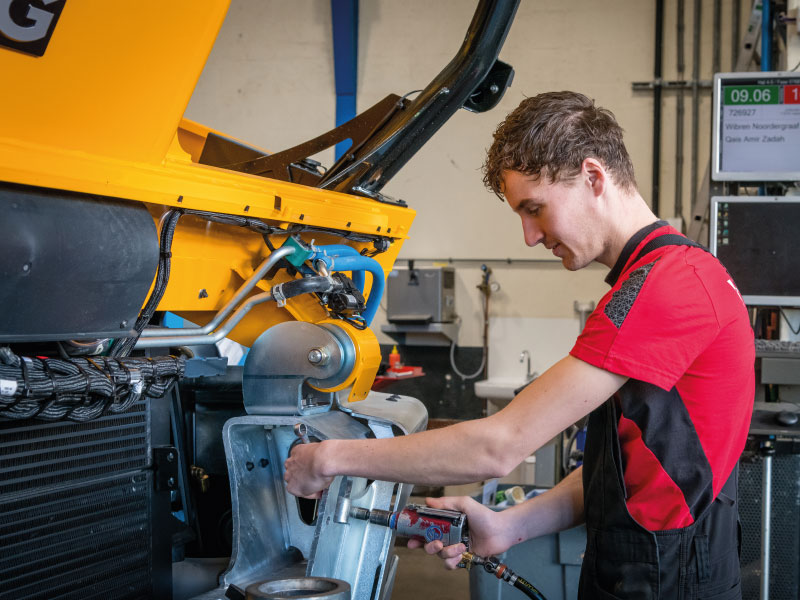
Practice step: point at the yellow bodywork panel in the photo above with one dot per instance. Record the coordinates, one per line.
(101, 112)
(115, 79)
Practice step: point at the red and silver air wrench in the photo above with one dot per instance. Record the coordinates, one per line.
(420, 522)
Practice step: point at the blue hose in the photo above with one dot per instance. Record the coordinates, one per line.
(337, 250)
(334, 251)
(358, 276)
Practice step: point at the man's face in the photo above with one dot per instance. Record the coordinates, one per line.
(561, 215)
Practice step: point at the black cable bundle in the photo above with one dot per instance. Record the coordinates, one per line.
(80, 389)
(123, 346)
(382, 243)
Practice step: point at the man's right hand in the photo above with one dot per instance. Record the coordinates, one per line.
(487, 530)
(302, 471)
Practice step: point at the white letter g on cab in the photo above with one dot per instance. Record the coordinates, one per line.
(13, 30)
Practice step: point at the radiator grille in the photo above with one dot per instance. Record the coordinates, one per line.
(78, 542)
(38, 454)
(784, 580)
(75, 508)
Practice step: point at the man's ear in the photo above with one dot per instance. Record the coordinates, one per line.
(595, 175)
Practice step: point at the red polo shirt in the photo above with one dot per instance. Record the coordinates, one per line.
(675, 324)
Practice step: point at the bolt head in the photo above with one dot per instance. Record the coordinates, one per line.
(171, 482)
(315, 356)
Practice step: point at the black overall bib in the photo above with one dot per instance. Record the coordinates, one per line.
(625, 560)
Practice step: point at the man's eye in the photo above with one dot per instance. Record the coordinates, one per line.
(534, 211)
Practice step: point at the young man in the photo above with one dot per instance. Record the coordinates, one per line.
(664, 366)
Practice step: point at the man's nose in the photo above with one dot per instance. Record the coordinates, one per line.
(533, 234)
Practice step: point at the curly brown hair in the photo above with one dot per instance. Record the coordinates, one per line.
(552, 134)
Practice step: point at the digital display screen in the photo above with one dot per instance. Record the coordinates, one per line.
(758, 241)
(757, 127)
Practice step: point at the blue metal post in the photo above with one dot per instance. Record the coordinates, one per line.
(766, 36)
(344, 16)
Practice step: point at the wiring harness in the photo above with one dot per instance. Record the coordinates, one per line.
(123, 346)
(80, 389)
(380, 243)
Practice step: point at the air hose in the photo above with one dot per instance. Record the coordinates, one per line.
(494, 566)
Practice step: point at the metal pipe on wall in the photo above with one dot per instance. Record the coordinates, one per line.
(695, 96)
(715, 51)
(766, 526)
(766, 36)
(657, 72)
(679, 111)
(735, 32)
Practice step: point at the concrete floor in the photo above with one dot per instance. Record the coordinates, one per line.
(423, 577)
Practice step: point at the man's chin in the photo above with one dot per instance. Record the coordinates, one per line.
(571, 264)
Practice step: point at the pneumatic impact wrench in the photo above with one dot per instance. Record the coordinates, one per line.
(428, 524)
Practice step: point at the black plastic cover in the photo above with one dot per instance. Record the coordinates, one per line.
(72, 266)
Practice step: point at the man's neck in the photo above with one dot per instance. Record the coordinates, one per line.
(630, 213)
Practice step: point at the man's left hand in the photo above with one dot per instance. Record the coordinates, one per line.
(302, 471)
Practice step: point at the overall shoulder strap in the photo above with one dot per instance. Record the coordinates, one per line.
(668, 239)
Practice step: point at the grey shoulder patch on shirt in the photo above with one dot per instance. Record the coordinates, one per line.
(622, 300)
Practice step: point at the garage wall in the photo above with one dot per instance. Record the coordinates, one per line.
(269, 81)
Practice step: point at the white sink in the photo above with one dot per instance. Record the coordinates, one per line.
(499, 388)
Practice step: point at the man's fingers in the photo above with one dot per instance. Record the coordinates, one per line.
(436, 502)
(300, 493)
(450, 554)
(450, 502)
(434, 547)
(454, 551)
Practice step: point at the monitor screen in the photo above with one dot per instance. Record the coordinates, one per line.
(757, 238)
(756, 127)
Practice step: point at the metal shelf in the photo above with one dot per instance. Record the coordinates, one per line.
(424, 334)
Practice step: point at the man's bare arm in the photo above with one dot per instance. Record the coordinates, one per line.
(495, 532)
(556, 510)
(466, 452)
